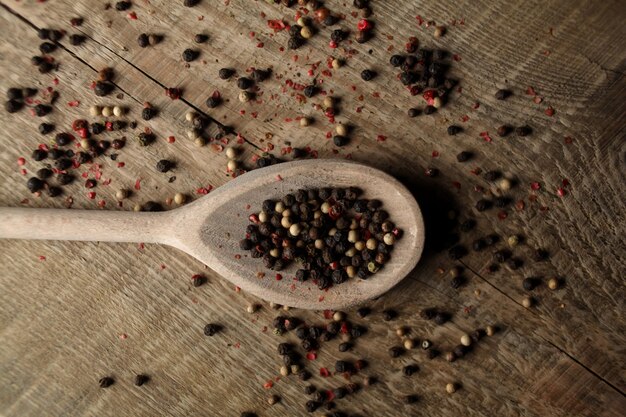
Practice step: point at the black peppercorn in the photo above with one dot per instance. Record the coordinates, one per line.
(408, 77)
(62, 139)
(409, 370)
(530, 284)
(457, 252)
(143, 40)
(389, 315)
(523, 131)
(34, 184)
(309, 91)
(211, 329)
(64, 179)
(248, 414)
(441, 318)
(97, 128)
(396, 60)
(482, 205)
(145, 139)
(311, 406)
(492, 175)
(102, 88)
(309, 389)
(164, 165)
(42, 109)
(395, 351)
(106, 382)
(13, 106)
(244, 83)
(363, 312)
(467, 225)
(514, 263)
(45, 128)
(413, 112)
(338, 35)
(200, 38)
(457, 282)
(141, 379)
(459, 351)
(362, 36)
(47, 47)
(502, 94)
(148, 113)
(14, 93)
(304, 375)
(259, 75)
(76, 39)
(62, 164)
(55, 153)
(295, 42)
(190, 55)
(43, 33)
(503, 130)
(432, 353)
(122, 5)
(342, 366)
(339, 140)
(44, 173)
(345, 346)
(152, 206)
(429, 110)
(454, 129)
(367, 75)
(190, 3)
(339, 276)
(54, 191)
(540, 255)
(39, 154)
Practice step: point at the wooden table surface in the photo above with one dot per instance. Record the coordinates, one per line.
(71, 312)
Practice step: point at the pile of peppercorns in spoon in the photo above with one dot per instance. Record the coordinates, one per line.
(315, 228)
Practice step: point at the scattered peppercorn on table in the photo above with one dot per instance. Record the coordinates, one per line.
(504, 118)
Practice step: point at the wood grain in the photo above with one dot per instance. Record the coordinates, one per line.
(564, 357)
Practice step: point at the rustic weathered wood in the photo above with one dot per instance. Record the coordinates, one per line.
(564, 357)
(210, 228)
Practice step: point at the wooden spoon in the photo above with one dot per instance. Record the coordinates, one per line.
(211, 227)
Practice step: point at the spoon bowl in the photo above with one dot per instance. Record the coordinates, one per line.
(211, 227)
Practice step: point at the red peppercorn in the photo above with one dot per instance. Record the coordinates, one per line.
(364, 25)
(83, 133)
(332, 44)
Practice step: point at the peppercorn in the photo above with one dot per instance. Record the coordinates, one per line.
(396, 60)
(152, 206)
(211, 329)
(529, 284)
(339, 140)
(502, 94)
(190, 55)
(523, 131)
(311, 406)
(409, 370)
(457, 252)
(429, 110)
(103, 88)
(482, 205)
(553, 283)
(395, 351)
(47, 47)
(34, 184)
(454, 129)
(501, 202)
(141, 379)
(44, 173)
(342, 366)
(457, 282)
(409, 399)
(540, 255)
(106, 382)
(41, 109)
(501, 256)
(122, 5)
(441, 318)
(527, 302)
(64, 179)
(76, 39)
(62, 164)
(304, 375)
(190, 3)
(362, 36)
(145, 139)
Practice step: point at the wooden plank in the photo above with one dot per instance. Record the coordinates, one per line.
(575, 389)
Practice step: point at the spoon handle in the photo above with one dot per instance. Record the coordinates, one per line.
(85, 225)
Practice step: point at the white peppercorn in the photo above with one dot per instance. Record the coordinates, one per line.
(284, 371)
(286, 213)
(193, 134)
(451, 388)
(341, 129)
(466, 340)
(401, 331)
(337, 63)
(409, 344)
(306, 32)
(295, 229)
(371, 244)
(351, 271)
(305, 121)
(107, 111)
(232, 165)
(325, 207)
(360, 245)
(199, 141)
(339, 316)
(252, 308)
(513, 240)
(190, 115)
(490, 330)
(353, 236)
(245, 96)
(329, 102)
(275, 253)
(285, 222)
(527, 302)
(231, 153)
(279, 207)
(437, 102)
(553, 283)
(118, 111)
(319, 244)
(121, 194)
(505, 184)
(95, 111)
(263, 217)
(389, 239)
(180, 198)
